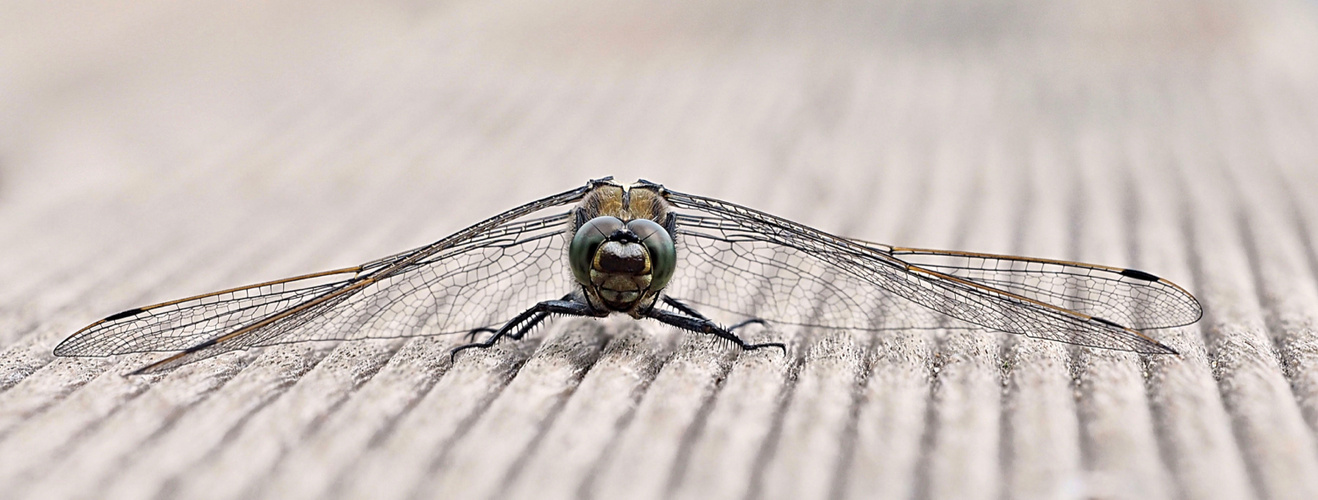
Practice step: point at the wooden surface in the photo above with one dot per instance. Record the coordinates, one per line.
(155, 150)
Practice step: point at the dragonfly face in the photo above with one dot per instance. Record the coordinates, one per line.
(620, 254)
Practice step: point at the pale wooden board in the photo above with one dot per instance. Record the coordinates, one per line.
(154, 151)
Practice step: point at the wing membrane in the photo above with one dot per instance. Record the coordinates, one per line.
(180, 324)
(731, 257)
(1129, 297)
(765, 266)
(475, 278)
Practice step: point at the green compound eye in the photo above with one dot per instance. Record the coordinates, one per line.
(589, 237)
(663, 253)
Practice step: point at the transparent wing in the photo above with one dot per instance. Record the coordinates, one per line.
(1129, 297)
(754, 264)
(476, 278)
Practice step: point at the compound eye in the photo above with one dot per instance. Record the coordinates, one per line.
(663, 253)
(588, 239)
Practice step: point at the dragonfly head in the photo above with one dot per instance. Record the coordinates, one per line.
(621, 263)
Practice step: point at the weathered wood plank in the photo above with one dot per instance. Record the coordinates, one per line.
(148, 153)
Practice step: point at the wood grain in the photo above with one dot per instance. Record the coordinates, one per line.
(158, 151)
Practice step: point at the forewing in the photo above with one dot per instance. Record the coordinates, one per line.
(754, 270)
(184, 323)
(1130, 297)
(755, 264)
(476, 278)
(479, 283)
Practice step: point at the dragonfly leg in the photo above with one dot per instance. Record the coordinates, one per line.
(703, 325)
(752, 321)
(517, 335)
(523, 321)
(683, 308)
(471, 336)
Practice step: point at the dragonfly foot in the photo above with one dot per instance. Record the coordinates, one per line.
(779, 345)
(701, 324)
(453, 355)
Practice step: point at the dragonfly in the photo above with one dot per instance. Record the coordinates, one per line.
(650, 252)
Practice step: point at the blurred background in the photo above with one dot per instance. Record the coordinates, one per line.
(151, 150)
(257, 108)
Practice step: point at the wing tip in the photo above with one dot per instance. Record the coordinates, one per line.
(68, 347)
(1154, 346)
(1160, 348)
(62, 350)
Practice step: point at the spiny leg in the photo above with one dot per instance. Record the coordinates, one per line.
(685, 309)
(682, 307)
(530, 317)
(703, 325)
(521, 332)
(471, 336)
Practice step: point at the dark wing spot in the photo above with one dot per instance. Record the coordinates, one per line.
(124, 314)
(1106, 322)
(1139, 275)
